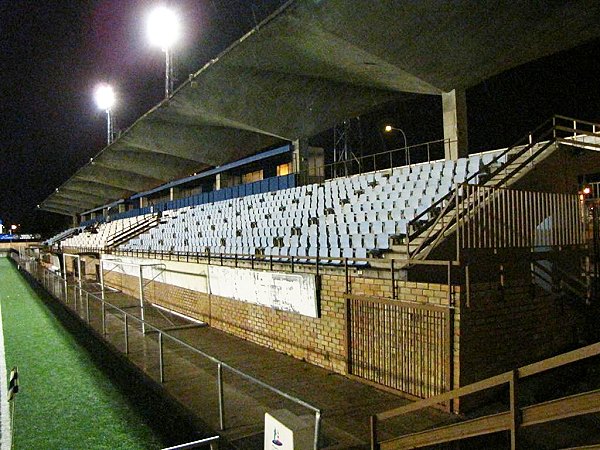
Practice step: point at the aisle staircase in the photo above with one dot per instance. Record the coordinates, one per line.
(135, 229)
(428, 229)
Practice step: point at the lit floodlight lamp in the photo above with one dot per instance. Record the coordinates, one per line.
(587, 190)
(105, 100)
(105, 97)
(388, 128)
(163, 28)
(163, 31)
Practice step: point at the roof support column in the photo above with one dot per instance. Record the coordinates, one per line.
(300, 150)
(454, 108)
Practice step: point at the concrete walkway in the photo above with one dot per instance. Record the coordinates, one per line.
(346, 405)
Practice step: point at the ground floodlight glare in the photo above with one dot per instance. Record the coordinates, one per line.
(105, 97)
(163, 27)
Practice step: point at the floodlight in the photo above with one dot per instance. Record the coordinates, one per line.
(13, 227)
(586, 190)
(163, 27)
(388, 128)
(105, 97)
(163, 31)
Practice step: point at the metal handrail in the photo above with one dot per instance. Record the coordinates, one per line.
(548, 128)
(220, 363)
(497, 422)
(212, 441)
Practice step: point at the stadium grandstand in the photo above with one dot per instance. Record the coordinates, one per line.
(419, 270)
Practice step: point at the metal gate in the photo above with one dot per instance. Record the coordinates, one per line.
(403, 346)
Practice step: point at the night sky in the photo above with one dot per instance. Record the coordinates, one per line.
(54, 53)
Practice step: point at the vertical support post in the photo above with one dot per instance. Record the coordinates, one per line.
(347, 275)
(317, 430)
(515, 413)
(373, 422)
(87, 307)
(126, 320)
(79, 282)
(393, 278)
(101, 278)
(161, 365)
(457, 212)
(142, 299)
(221, 397)
(103, 319)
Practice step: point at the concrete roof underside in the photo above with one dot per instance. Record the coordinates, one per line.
(313, 64)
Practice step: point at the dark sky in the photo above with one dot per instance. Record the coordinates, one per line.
(55, 52)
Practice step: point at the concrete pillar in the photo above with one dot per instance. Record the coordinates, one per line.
(218, 181)
(300, 160)
(74, 221)
(454, 107)
(171, 194)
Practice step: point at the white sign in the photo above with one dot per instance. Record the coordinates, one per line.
(277, 435)
(284, 291)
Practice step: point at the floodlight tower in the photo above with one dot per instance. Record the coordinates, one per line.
(163, 32)
(105, 99)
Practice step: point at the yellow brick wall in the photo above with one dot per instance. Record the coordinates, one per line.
(320, 341)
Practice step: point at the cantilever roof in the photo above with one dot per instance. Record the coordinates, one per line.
(313, 64)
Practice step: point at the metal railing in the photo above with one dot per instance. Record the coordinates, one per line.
(512, 420)
(404, 156)
(430, 223)
(294, 264)
(59, 288)
(213, 442)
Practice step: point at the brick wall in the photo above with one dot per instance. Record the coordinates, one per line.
(320, 341)
(512, 322)
(499, 330)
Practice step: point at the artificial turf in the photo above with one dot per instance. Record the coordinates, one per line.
(65, 400)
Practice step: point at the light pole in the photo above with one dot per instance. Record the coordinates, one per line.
(389, 129)
(163, 32)
(105, 99)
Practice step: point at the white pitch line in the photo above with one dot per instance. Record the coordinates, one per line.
(6, 436)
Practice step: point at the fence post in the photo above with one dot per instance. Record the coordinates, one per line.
(515, 412)
(393, 278)
(347, 275)
(161, 365)
(221, 397)
(126, 334)
(373, 423)
(317, 429)
(87, 307)
(103, 319)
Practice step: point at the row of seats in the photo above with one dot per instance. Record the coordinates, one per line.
(344, 217)
(99, 235)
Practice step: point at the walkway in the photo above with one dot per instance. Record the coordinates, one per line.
(345, 405)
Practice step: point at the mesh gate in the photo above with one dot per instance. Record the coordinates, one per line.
(400, 345)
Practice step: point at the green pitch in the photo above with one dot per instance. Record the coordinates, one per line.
(65, 400)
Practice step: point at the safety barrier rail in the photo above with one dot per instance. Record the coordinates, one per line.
(432, 223)
(212, 441)
(293, 264)
(512, 420)
(59, 288)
